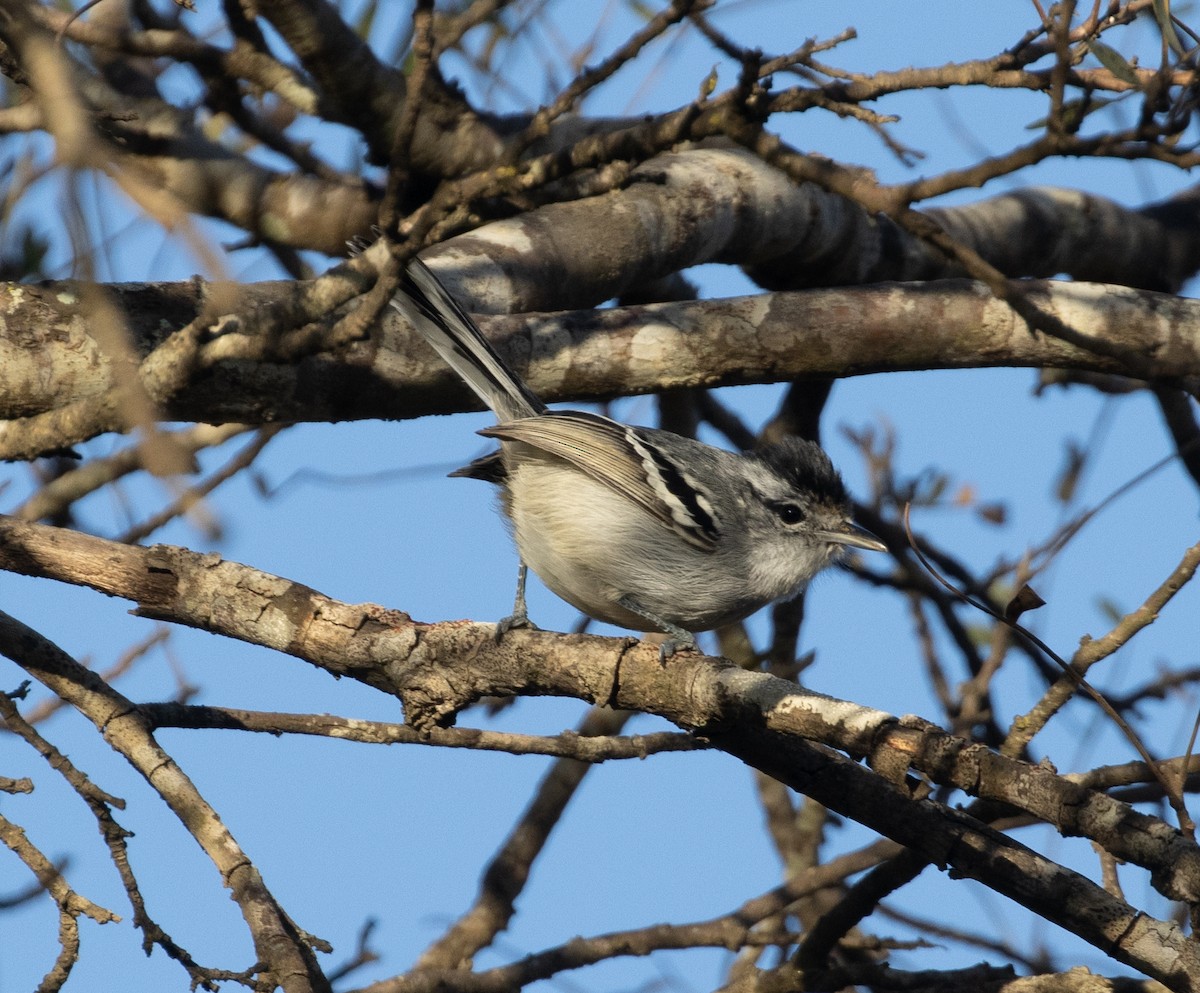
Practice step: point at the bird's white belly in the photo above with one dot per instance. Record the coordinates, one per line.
(592, 547)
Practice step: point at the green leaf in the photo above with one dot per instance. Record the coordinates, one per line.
(1110, 609)
(1074, 112)
(1114, 62)
(1162, 14)
(366, 20)
(641, 10)
(1068, 480)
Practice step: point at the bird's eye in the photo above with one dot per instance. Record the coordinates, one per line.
(788, 513)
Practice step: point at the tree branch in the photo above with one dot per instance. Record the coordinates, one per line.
(438, 669)
(595, 354)
(286, 953)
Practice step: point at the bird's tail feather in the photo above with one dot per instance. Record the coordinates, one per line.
(430, 308)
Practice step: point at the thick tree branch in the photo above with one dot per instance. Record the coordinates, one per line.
(450, 138)
(438, 669)
(48, 354)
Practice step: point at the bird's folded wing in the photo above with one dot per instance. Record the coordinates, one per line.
(624, 459)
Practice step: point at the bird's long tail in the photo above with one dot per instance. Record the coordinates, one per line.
(431, 309)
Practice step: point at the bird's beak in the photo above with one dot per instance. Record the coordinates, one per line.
(855, 536)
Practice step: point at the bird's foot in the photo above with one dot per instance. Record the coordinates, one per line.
(514, 620)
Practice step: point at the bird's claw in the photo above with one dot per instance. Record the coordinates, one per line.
(518, 620)
(672, 645)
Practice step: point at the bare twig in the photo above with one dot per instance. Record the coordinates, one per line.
(1073, 671)
(573, 745)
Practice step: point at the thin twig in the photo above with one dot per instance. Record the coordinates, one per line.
(568, 745)
(1186, 824)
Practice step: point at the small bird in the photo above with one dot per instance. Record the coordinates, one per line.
(639, 527)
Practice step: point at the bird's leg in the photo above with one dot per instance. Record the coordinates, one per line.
(519, 618)
(677, 638)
